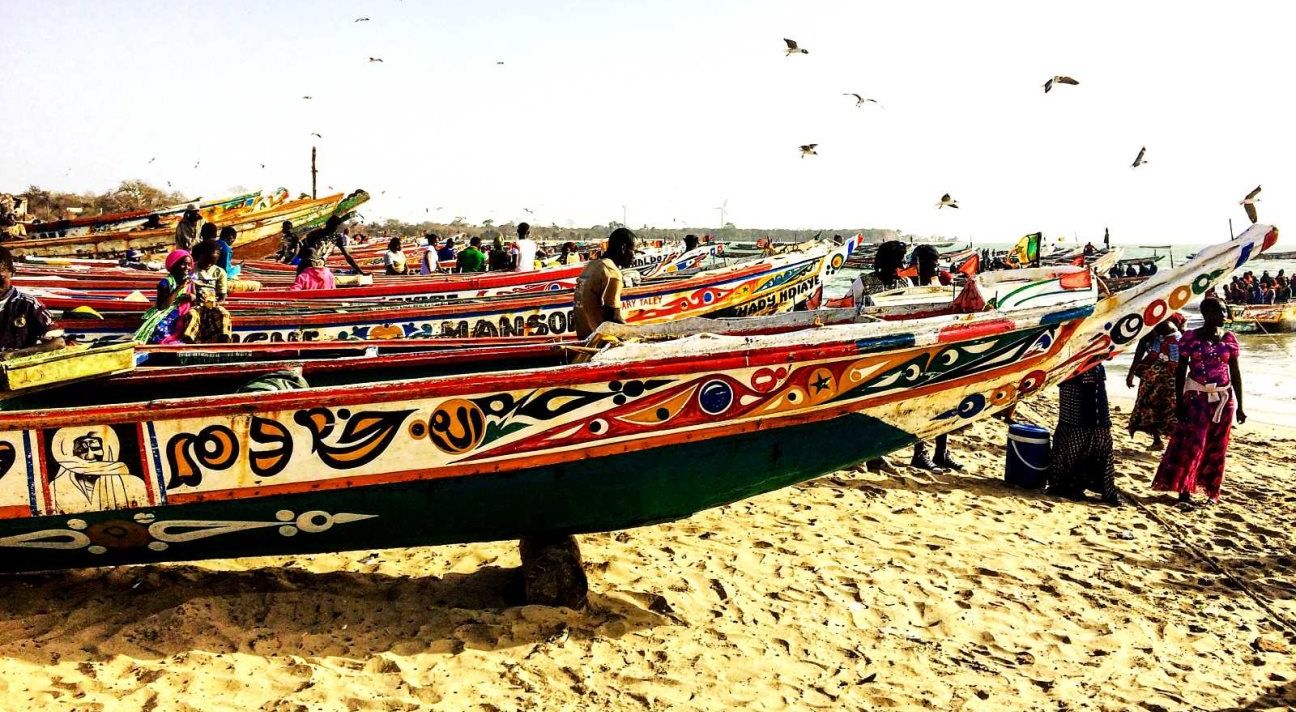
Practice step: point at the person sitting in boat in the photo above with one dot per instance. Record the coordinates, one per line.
(524, 248)
(1266, 294)
(1284, 292)
(313, 271)
(447, 251)
(498, 257)
(690, 243)
(598, 288)
(132, 260)
(568, 254)
(394, 257)
(1131, 270)
(472, 259)
(1115, 272)
(186, 234)
(884, 276)
(1151, 268)
(928, 261)
(288, 244)
(207, 322)
(26, 326)
(1089, 249)
(153, 222)
(161, 324)
(225, 254)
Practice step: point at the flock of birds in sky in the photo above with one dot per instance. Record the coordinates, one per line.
(1248, 203)
(808, 149)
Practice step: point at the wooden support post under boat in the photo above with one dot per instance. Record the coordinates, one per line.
(551, 571)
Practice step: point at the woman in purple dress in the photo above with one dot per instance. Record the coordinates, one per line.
(1207, 382)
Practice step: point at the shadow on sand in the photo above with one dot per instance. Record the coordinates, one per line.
(148, 612)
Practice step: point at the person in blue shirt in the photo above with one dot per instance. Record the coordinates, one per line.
(225, 258)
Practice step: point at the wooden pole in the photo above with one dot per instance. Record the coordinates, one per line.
(313, 173)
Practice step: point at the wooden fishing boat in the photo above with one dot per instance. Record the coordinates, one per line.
(644, 432)
(115, 222)
(762, 287)
(257, 231)
(1270, 318)
(105, 295)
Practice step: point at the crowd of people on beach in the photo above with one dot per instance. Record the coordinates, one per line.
(1247, 288)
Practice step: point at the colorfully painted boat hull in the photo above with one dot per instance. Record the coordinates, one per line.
(644, 432)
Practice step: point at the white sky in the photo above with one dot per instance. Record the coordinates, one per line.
(670, 108)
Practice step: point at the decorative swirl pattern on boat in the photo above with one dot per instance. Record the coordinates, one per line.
(8, 454)
(364, 436)
(457, 426)
(215, 447)
(268, 463)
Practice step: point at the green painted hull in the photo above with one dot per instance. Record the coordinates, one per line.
(591, 495)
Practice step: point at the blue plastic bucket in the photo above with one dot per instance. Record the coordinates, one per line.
(1027, 456)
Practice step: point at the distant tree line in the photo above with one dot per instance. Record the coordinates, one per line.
(130, 195)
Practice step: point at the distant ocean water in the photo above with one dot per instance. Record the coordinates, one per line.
(1267, 360)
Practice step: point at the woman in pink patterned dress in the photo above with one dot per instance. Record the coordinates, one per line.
(1205, 382)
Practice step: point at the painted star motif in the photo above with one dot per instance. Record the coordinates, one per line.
(821, 384)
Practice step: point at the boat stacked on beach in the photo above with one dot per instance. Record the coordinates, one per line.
(257, 218)
(653, 422)
(525, 304)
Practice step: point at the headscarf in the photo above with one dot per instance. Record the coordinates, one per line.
(175, 257)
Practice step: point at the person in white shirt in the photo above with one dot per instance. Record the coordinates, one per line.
(526, 249)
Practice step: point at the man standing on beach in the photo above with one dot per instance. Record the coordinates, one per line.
(526, 249)
(598, 288)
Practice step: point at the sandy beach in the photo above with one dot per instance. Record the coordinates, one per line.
(853, 591)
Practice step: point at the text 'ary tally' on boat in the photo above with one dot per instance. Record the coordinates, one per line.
(664, 422)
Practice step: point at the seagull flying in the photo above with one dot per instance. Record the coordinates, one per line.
(809, 150)
(1058, 80)
(1138, 160)
(316, 135)
(861, 100)
(308, 98)
(528, 211)
(196, 163)
(792, 48)
(362, 19)
(263, 165)
(1248, 203)
(947, 202)
(500, 63)
(375, 59)
(152, 159)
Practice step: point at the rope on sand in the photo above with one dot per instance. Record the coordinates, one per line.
(1212, 562)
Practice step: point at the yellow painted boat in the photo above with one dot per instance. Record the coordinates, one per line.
(1264, 317)
(76, 362)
